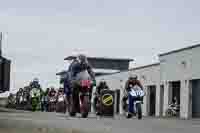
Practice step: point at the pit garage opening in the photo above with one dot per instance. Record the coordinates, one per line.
(196, 98)
(152, 100)
(176, 86)
(174, 93)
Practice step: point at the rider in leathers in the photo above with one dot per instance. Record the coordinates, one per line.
(36, 92)
(102, 85)
(78, 65)
(133, 80)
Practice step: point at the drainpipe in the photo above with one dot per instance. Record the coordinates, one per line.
(0, 44)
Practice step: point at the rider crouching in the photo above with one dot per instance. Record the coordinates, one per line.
(52, 100)
(132, 81)
(78, 65)
(35, 92)
(102, 85)
(61, 101)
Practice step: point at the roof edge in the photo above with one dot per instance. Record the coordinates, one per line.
(104, 58)
(136, 68)
(145, 66)
(179, 50)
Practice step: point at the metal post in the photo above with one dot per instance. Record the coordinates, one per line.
(1, 44)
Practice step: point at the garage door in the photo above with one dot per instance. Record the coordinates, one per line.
(196, 98)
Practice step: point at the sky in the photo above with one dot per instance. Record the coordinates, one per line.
(39, 34)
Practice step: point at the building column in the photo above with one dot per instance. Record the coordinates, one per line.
(158, 100)
(92, 100)
(167, 95)
(145, 106)
(184, 100)
(121, 112)
(115, 102)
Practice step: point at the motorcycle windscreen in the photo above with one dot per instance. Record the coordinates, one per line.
(84, 75)
(137, 93)
(60, 98)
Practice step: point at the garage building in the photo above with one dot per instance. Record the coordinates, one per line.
(176, 75)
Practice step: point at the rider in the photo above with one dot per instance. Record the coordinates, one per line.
(67, 85)
(35, 83)
(11, 100)
(102, 85)
(78, 65)
(52, 100)
(133, 80)
(61, 101)
(19, 96)
(45, 100)
(36, 92)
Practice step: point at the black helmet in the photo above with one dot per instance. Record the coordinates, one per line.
(36, 80)
(82, 58)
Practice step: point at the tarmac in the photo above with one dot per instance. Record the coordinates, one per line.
(12, 121)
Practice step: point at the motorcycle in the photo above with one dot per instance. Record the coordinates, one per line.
(125, 102)
(173, 110)
(26, 100)
(11, 102)
(138, 95)
(98, 101)
(35, 99)
(80, 99)
(61, 104)
(52, 104)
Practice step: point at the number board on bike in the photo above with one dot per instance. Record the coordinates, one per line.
(107, 99)
(138, 93)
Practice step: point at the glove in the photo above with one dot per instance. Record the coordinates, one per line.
(94, 82)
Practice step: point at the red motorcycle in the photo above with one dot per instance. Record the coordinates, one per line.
(80, 100)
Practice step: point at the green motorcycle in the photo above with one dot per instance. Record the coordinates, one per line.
(35, 99)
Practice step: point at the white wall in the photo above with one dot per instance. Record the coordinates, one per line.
(172, 68)
(151, 74)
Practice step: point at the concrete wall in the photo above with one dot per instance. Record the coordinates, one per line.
(173, 67)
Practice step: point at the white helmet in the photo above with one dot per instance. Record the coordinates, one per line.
(133, 76)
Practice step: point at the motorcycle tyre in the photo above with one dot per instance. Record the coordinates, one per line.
(139, 110)
(169, 113)
(84, 115)
(85, 111)
(72, 114)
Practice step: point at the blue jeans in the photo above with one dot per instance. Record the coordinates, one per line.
(131, 99)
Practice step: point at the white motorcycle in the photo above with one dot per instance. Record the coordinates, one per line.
(138, 95)
(173, 110)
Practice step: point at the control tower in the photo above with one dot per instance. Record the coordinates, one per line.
(4, 70)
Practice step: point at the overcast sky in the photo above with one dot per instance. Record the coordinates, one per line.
(40, 33)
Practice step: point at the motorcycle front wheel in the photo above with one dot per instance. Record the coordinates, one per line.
(169, 113)
(84, 109)
(70, 107)
(139, 110)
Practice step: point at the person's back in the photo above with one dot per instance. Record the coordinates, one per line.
(102, 85)
(79, 65)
